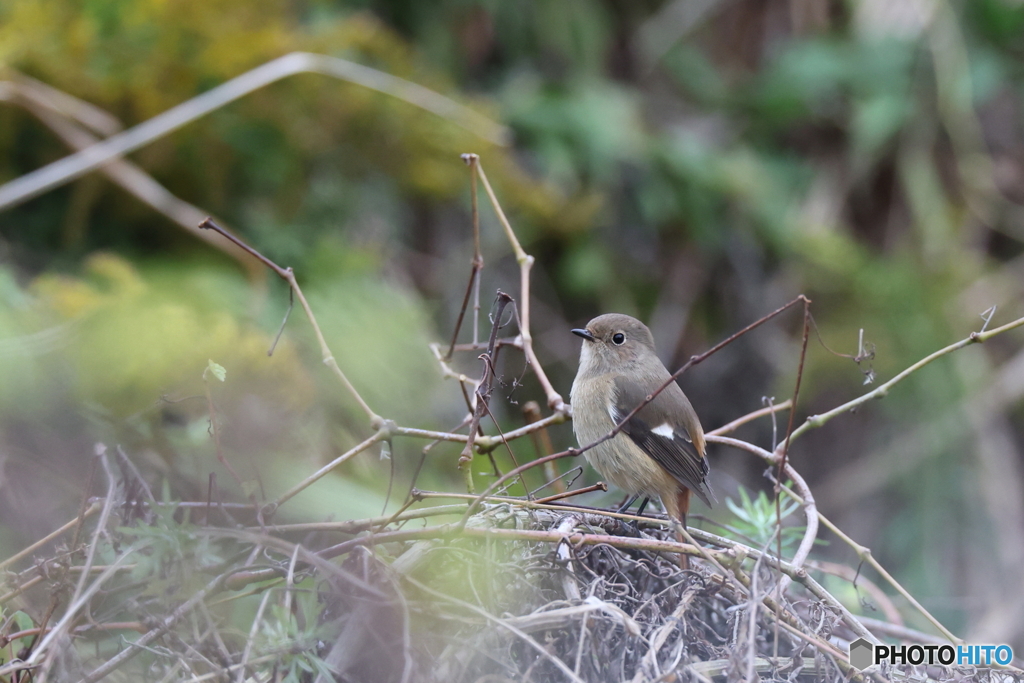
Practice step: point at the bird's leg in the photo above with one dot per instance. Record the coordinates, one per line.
(682, 507)
(643, 506)
(630, 501)
(633, 524)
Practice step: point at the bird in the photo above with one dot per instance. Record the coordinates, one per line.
(660, 450)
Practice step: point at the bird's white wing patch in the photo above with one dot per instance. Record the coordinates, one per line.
(665, 430)
(614, 414)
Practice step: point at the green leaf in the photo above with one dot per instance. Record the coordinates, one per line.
(22, 622)
(322, 668)
(216, 370)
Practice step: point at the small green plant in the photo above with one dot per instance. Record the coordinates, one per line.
(756, 519)
(294, 634)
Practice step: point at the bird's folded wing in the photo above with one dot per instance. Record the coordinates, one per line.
(658, 430)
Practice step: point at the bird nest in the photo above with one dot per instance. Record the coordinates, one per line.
(515, 591)
(545, 595)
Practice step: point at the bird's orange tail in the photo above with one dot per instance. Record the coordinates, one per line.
(682, 507)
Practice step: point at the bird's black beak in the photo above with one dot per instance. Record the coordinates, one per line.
(585, 334)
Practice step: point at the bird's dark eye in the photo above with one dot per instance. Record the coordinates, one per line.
(618, 338)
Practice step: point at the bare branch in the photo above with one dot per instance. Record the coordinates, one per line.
(525, 262)
(286, 274)
(882, 390)
(75, 166)
(51, 107)
(93, 508)
(473, 287)
(483, 392)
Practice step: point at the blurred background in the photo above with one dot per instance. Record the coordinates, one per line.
(695, 163)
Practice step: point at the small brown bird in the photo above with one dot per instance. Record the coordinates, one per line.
(660, 450)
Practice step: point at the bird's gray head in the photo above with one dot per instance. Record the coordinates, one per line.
(614, 342)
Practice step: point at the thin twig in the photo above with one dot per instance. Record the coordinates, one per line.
(525, 262)
(599, 486)
(483, 392)
(272, 507)
(72, 610)
(502, 623)
(93, 508)
(542, 444)
(749, 417)
(477, 263)
(253, 632)
(376, 421)
(782, 467)
(863, 552)
(882, 390)
(135, 647)
(52, 108)
(860, 581)
(101, 525)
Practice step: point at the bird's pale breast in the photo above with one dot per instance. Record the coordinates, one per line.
(618, 460)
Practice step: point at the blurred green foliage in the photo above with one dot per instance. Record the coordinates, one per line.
(871, 159)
